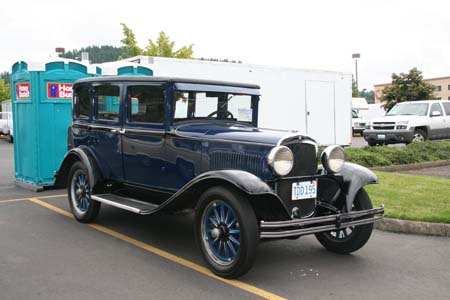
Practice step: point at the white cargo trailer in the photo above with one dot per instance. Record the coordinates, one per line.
(312, 102)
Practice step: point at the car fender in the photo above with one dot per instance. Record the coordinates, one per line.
(84, 155)
(356, 177)
(248, 183)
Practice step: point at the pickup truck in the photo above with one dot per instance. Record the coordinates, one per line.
(410, 121)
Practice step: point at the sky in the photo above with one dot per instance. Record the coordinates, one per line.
(391, 36)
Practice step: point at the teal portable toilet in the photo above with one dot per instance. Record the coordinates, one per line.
(42, 111)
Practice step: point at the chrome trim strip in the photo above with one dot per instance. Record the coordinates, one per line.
(302, 138)
(203, 139)
(324, 228)
(112, 203)
(330, 218)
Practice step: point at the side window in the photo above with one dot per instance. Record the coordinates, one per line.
(447, 108)
(107, 102)
(82, 102)
(146, 104)
(436, 107)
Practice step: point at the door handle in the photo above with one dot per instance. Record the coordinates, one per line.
(120, 131)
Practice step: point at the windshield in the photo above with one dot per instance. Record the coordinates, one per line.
(213, 105)
(405, 109)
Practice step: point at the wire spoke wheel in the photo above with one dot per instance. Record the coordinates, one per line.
(220, 232)
(80, 191)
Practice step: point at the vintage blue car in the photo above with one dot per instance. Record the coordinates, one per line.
(152, 144)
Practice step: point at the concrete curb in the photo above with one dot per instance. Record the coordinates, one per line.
(416, 166)
(414, 227)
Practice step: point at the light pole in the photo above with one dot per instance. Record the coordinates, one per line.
(355, 56)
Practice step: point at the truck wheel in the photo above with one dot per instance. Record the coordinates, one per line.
(371, 144)
(350, 239)
(83, 208)
(10, 138)
(419, 136)
(226, 231)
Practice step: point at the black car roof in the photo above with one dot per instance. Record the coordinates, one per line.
(165, 79)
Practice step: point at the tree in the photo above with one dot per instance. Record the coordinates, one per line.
(6, 76)
(97, 54)
(369, 95)
(355, 92)
(129, 42)
(407, 87)
(5, 91)
(163, 47)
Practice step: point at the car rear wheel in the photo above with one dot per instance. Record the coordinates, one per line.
(349, 239)
(419, 136)
(226, 231)
(79, 189)
(371, 144)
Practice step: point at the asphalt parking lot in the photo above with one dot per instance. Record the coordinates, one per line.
(46, 254)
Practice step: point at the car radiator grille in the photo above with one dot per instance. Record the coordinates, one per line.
(251, 163)
(305, 158)
(305, 164)
(383, 125)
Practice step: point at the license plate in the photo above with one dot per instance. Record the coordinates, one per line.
(382, 136)
(304, 190)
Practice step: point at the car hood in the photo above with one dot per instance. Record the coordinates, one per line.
(395, 118)
(231, 132)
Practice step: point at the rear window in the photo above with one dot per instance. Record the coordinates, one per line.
(107, 102)
(82, 100)
(446, 108)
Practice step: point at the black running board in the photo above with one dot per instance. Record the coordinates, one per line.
(130, 204)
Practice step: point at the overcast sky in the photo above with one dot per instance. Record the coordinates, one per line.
(392, 36)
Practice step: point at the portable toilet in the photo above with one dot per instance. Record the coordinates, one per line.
(42, 112)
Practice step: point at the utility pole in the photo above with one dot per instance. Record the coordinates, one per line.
(355, 56)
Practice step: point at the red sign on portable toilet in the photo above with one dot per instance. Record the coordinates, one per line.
(59, 90)
(23, 90)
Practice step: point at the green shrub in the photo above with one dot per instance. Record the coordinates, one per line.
(385, 156)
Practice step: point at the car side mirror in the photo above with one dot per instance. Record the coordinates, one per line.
(435, 113)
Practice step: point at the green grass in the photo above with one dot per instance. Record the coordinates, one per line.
(410, 197)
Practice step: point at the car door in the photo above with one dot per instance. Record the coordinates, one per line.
(144, 132)
(104, 137)
(446, 106)
(438, 126)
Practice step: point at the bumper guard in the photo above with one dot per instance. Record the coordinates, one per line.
(299, 227)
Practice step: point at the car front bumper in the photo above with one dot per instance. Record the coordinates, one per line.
(299, 227)
(388, 136)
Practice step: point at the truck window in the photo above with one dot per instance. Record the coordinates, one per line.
(447, 108)
(146, 104)
(82, 99)
(107, 102)
(436, 107)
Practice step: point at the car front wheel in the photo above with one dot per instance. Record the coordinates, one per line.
(349, 239)
(79, 189)
(226, 231)
(419, 136)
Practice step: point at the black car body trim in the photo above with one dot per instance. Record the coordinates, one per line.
(355, 177)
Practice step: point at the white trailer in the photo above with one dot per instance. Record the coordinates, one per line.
(316, 103)
(6, 123)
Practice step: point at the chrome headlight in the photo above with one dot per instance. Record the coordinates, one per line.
(333, 158)
(281, 160)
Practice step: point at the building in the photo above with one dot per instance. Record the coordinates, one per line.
(441, 92)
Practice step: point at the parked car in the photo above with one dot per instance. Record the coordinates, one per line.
(412, 121)
(358, 124)
(149, 144)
